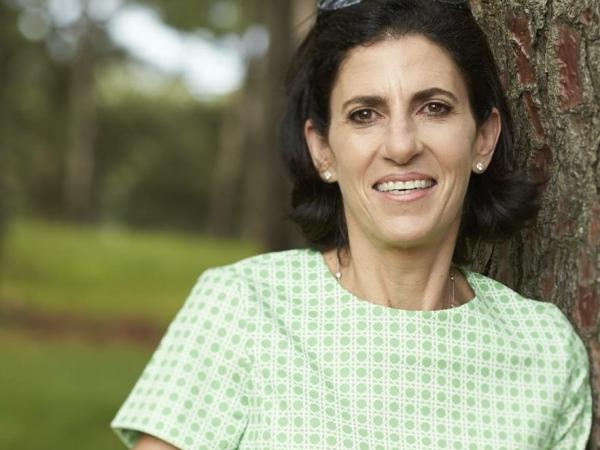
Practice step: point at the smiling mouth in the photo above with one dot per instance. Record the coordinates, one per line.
(404, 187)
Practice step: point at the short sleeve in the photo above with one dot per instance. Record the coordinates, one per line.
(574, 420)
(193, 391)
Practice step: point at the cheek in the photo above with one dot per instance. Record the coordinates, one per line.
(454, 151)
(352, 154)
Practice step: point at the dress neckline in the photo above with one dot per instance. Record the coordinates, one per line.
(333, 285)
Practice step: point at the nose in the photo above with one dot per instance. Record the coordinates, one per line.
(401, 142)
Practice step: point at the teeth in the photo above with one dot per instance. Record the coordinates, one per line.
(403, 185)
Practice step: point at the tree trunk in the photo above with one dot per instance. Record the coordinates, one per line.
(80, 158)
(549, 54)
(278, 15)
(254, 192)
(228, 167)
(5, 19)
(267, 190)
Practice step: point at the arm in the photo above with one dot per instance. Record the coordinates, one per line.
(147, 442)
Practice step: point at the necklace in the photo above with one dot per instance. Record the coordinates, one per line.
(452, 305)
(338, 276)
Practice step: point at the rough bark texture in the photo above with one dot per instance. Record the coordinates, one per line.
(549, 55)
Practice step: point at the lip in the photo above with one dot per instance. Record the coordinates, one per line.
(411, 196)
(406, 198)
(404, 177)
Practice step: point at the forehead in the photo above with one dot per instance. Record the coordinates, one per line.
(397, 66)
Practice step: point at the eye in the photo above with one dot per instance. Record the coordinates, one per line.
(438, 109)
(363, 116)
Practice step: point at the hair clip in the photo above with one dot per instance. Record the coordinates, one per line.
(331, 5)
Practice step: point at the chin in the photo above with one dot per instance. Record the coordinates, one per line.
(408, 237)
(406, 240)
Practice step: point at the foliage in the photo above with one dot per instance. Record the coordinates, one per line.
(155, 158)
(218, 15)
(33, 89)
(153, 151)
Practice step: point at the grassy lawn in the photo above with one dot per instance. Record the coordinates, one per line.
(107, 272)
(63, 394)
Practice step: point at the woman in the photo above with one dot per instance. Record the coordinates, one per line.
(398, 139)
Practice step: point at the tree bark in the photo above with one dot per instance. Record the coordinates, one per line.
(549, 55)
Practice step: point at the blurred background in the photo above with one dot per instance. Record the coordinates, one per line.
(138, 146)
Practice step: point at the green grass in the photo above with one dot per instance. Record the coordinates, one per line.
(107, 272)
(63, 394)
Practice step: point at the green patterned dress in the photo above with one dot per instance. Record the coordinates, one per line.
(273, 353)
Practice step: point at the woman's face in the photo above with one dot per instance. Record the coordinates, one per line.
(402, 142)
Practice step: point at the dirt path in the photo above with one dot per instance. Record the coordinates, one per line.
(62, 325)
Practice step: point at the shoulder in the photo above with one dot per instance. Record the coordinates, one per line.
(507, 301)
(256, 277)
(232, 296)
(542, 323)
(283, 265)
(245, 288)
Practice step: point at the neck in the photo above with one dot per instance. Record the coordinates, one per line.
(410, 279)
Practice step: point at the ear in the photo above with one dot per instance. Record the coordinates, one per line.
(320, 152)
(486, 141)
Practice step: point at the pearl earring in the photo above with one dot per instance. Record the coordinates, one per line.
(480, 167)
(327, 175)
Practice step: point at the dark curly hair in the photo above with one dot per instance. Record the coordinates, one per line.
(498, 202)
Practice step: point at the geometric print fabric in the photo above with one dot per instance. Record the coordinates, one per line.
(272, 353)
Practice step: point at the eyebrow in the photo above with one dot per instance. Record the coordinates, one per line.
(377, 100)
